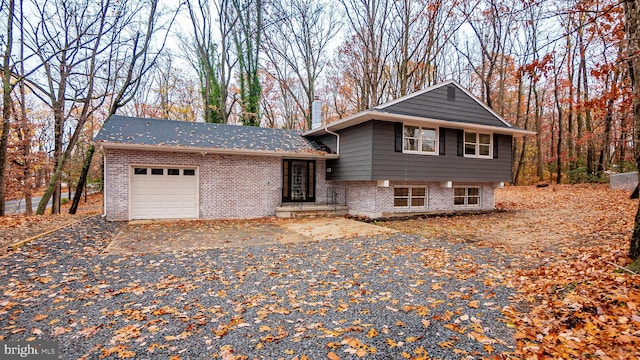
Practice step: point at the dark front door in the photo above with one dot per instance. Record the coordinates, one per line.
(298, 180)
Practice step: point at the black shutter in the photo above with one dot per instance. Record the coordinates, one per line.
(460, 142)
(398, 128)
(496, 138)
(442, 136)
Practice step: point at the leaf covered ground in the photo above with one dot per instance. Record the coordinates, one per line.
(567, 245)
(15, 228)
(385, 296)
(540, 278)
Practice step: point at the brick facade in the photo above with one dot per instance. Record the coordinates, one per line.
(366, 198)
(239, 186)
(231, 186)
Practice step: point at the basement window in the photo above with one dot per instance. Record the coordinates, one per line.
(410, 198)
(466, 197)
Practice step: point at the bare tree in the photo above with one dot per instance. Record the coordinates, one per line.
(296, 42)
(247, 38)
(127, 69)
(369, 23)
(489, 21)
(421, 32)
(227, 20)
(68, 42)
(206, 61)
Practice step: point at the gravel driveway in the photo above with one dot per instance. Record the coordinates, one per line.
(388, 296)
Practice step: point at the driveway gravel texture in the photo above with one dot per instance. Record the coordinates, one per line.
(384, 297)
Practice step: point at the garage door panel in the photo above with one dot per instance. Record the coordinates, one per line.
(164, 196)
(175, 200)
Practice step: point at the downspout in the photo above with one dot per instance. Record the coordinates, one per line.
(337, 153)
(337, 139)
(104, 183)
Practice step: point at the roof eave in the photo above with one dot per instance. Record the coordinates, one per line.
(205, 150)
(386, 116)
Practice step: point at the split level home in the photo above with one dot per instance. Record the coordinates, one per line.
(437, 150)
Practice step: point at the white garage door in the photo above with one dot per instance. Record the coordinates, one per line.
(164, 192)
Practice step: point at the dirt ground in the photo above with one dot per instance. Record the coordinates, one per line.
(160, 236)
(538, 222)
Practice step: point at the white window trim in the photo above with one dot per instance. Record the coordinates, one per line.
(436, 145)
(477, 144)
(410, 208)
(466, 197)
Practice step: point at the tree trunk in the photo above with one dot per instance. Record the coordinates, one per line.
(634, 246)
(606, 151)
(559, 147)
(53, 185)
(26, 150)
(6, 105)
(572, 107)
(82, 180)
(520, 167)
(588, 123)
(632, 17)
(538, 120)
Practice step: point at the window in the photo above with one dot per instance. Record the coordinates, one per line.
(410, 198)
(417, 139)
(477, 144)
(164, 171)
(466, 196)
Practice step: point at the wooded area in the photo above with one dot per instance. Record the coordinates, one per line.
(560, 68)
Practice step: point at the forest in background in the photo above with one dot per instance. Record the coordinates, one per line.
(560, 68)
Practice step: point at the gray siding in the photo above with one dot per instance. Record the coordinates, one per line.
(391, 165)
(434, 105)
(355, 162)
(329, 140)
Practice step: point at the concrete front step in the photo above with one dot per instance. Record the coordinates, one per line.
(311, 211)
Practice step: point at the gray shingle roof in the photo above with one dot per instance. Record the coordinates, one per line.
(125, 130)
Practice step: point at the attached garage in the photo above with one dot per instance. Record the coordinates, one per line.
(163, 192)
(164, 169)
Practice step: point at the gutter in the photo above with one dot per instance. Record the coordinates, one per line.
(385, 116)
(301, 155)
(337, 139)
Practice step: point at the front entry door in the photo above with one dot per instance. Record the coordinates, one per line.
(298, 180)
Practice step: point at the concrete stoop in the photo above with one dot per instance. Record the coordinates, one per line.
(311, 211)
